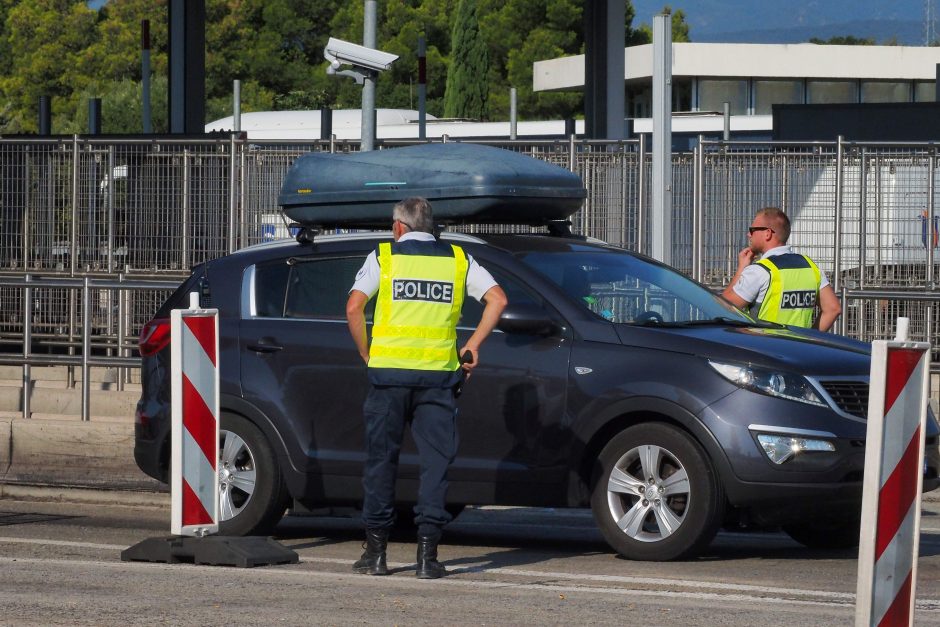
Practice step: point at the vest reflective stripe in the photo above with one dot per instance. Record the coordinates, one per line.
(417, 309)
(793, 291)
(423, 332)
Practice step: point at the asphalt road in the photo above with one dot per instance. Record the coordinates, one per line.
(60, 564)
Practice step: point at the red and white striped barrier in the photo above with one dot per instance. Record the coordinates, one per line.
(194, 488)
(894, 459)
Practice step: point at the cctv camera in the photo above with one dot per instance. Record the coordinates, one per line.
(339, 52)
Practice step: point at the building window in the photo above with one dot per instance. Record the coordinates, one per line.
(925, 91)
(712, 94)
(829, 92)
(639, 101)
(682, 95)
(768, 93)
(886, 91)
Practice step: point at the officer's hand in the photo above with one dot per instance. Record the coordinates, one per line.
(469, 357)
(745, 257)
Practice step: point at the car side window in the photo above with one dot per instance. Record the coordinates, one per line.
(319, 288)
(270, 287)
(306, 288)
(516, 292)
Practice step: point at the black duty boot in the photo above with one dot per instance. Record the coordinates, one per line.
(372, 561)
(428, 566)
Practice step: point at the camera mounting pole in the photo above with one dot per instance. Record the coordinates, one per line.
(366, 63)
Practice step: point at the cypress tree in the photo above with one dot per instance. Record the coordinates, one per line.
(467, 86)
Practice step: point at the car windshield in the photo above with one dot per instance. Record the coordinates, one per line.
(622, 288)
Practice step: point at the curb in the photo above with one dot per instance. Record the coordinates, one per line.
(67, 454)
(84, 496)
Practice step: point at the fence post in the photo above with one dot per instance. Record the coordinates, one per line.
(929, 276)
(623, 194)
(641, 197)
(184, 228)
(73, 257)
(698, 210)
(27, 343)
(836, 278)
(571, 149)
(931, 173)
(862, 216)
(111, 191)
(234, 232)
(121, 331)
(86, 349)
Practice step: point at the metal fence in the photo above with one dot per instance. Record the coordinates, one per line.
(151, 209)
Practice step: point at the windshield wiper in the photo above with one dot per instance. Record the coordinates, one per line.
(715, 322)
(731, 322)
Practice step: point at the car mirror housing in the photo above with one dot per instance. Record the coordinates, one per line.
(527, 318)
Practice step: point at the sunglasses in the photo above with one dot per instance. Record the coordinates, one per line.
(754, 229)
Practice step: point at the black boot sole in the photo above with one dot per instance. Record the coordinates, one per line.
(370, 571)
(430, 574)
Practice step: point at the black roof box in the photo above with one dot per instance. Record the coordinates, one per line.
(466, 183)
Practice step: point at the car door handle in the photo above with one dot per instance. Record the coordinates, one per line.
(265, 345)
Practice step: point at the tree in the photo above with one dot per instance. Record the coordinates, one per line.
(467, 85)
(46, 39)
(272, 46)
(844, 40)
(680, 29)
(121, 107)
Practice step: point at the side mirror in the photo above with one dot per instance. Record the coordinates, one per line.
(528, 319)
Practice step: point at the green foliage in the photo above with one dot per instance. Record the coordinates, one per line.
(65, 50)
(845, 40)
(680, 29)
(467, 85)
(46, 39)
(122, 107)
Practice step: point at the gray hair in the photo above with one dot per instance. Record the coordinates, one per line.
(415, 213)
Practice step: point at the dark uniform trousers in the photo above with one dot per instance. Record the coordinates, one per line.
(433, 415)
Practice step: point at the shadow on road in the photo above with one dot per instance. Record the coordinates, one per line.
(26, 518)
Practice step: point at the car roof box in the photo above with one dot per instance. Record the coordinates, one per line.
(466, 183)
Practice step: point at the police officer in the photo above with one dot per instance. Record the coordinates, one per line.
(783, 286)
(413, 370)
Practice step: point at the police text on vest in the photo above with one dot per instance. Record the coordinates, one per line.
(416, 289)
(803, 299)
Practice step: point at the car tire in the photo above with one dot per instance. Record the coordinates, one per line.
(655, 496)
(842, 534)
(252, 495)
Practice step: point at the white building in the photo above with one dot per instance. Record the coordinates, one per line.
(753, 77)
(389, 124)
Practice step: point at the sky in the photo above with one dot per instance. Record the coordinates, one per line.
(789, 21)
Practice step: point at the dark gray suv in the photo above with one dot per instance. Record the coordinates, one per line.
(613, 382)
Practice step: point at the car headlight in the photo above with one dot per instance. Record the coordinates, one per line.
(780, 448)
(786, 385)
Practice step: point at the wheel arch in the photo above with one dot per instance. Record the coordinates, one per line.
(602, 426)
(236, 405)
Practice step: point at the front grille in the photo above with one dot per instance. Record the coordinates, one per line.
(850, 396)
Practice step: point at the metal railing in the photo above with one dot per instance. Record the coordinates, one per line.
(99, 344)
(76, 207)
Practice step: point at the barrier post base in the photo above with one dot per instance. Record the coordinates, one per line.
(238, 551)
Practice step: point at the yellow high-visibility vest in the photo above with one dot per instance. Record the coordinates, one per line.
(793, 291)
(417, 309)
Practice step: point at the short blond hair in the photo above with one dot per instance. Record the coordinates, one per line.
(780, 223)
